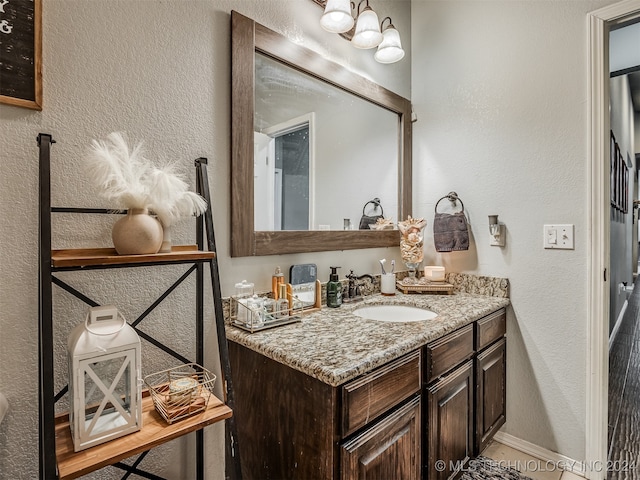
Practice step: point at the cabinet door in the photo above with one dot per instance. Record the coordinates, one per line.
(491, 382)
(450, 423)
(389, 449)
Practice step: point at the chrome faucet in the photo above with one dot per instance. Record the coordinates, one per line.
(354, 292)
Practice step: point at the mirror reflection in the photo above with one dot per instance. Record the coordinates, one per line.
(313, 172)
(320, 152)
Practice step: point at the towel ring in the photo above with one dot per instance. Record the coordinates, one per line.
(376, 204)
(453, 198)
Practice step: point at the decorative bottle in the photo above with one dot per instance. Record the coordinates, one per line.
(334, 289)
(282, 304)
(276, 280)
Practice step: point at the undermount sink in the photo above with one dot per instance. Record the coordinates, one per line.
(395, 313)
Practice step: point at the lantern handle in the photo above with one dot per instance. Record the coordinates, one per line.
(103, 331)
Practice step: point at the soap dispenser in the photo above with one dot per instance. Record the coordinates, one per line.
(334, 289)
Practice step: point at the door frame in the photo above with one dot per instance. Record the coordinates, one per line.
(599, 23)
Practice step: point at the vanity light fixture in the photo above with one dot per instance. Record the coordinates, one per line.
(367, 33)
(390, 49)
(337, 16)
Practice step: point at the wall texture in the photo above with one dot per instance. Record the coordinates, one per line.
(158, 71)
(500, 90)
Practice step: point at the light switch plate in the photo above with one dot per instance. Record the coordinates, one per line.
(559, 237)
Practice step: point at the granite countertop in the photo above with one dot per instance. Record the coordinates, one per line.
(334, 346)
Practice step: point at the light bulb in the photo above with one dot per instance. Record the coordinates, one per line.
(367, 30)
(390, 49)
(337, 16)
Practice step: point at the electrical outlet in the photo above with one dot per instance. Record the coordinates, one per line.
(559, 237)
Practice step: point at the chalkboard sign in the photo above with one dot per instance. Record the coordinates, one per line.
(20, 53)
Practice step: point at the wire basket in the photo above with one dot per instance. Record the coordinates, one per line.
(180, 392)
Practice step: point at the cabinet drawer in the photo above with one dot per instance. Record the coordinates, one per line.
(389, 449)
(449, 351)
(372, 394)
(490, 328)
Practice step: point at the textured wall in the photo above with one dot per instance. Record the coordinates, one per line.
(500, 90)
(158, 70)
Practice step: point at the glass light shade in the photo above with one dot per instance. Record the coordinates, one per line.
(367, 30)
(390, 49)
(337, 16)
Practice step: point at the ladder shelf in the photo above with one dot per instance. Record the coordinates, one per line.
(57, 456)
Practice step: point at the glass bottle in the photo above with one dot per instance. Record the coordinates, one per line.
(269, 307)
(276, 280)
(256, 312)
(282, 304)
(244, 291)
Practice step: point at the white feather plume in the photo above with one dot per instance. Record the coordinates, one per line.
(121, 174)
(170, 196)
(128, 179)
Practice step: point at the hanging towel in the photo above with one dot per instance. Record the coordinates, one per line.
(450, 230)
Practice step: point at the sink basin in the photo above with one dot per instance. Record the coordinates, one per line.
(395, 313)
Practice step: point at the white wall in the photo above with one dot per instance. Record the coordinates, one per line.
(500, 90)
(159, 71)
(636, 124)
(622, 225)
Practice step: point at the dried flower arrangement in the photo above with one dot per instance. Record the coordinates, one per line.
(131, 181)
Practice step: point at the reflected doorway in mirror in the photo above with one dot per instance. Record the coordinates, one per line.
(284, 175)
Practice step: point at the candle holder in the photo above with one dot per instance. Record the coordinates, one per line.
(411, 278)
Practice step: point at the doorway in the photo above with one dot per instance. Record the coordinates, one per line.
(284, 175)
(600, 23)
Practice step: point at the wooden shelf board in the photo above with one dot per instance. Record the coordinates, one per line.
(155, 431)
(82, 257)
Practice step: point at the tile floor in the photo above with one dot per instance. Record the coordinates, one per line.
(526, 464)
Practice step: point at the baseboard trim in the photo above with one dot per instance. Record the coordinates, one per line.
(616, 327)
(561, 462)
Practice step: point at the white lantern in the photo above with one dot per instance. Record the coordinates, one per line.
(104, 373)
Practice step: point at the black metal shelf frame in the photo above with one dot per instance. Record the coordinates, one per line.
(47, 398)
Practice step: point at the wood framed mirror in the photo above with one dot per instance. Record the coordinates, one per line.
(249, 41)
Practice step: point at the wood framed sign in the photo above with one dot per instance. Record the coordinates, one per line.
(21, 53)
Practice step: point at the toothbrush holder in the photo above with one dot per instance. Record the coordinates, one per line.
(388, 284)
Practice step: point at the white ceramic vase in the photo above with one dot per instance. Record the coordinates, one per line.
(137, 233)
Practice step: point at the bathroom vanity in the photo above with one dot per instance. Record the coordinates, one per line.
(337, 396)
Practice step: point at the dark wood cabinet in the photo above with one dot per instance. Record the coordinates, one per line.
(287, 421)
(291, 425)
(449, 425)
(389, 449)
(422, 415)
(491, 401)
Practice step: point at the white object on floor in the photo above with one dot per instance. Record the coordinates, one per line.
(4, 406)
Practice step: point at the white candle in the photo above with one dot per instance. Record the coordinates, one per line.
(434, 273)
